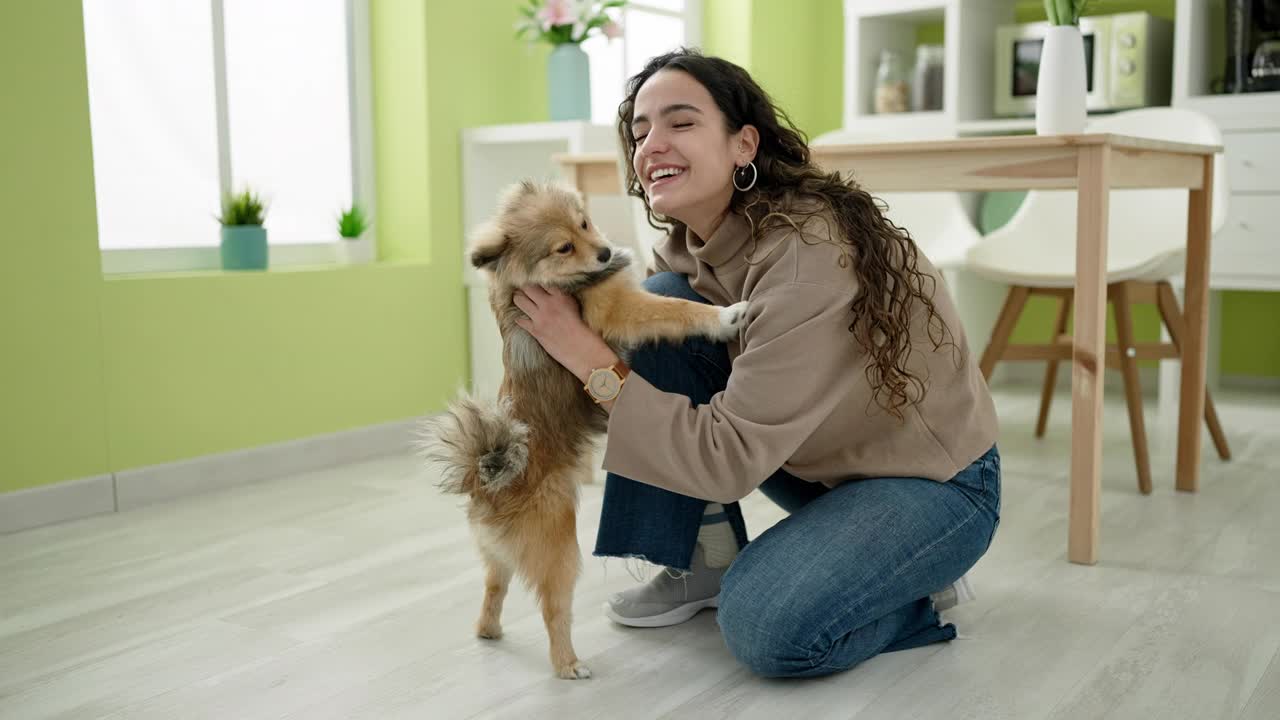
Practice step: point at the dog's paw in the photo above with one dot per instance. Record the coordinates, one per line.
(489, 631)
(732, 320)
(574, 671)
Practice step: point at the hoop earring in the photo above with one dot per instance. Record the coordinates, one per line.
(742, 170)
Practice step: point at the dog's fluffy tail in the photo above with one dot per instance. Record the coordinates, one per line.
(476, 445)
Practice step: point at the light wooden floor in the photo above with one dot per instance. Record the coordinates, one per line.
(351, 593)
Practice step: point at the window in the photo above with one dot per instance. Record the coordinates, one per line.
(189, 100)
(649, 28)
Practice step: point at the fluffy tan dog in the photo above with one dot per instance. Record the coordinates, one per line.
(520, 459)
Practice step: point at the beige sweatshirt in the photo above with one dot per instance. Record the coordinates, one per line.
(798, 396)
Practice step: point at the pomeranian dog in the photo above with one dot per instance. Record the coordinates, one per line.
(521, 458)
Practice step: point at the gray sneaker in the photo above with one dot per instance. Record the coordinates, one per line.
(670, 598)
(958, 592)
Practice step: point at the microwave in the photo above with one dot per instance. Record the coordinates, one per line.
(1128, 63)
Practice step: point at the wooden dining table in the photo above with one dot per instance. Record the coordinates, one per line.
(1092, 165)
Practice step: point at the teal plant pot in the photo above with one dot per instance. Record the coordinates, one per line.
(569, 83)
(244, 247)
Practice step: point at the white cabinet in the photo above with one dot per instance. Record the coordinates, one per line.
(1245, 252)
(873, 26)
(493, 158)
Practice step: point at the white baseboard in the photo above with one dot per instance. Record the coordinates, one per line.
(136, 487)
(33, 507)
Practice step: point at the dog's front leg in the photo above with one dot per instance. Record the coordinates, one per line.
(627, 315)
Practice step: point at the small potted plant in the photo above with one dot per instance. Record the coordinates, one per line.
(352, 248)
(244, 239)
(565, 24)
(1060, 85)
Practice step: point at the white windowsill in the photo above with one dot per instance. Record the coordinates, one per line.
(195, 259)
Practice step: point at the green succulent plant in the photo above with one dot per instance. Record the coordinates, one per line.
(353, 222)
(243, 208)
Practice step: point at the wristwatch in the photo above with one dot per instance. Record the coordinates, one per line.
(604, 384)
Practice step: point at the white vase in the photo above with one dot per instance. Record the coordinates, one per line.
(356, 251)
(1060, 87)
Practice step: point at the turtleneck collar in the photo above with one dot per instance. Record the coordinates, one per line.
(724, 243)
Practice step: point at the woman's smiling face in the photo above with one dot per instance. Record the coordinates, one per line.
(685, 156)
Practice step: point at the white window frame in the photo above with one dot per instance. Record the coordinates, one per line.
(360, 103)
(691, 15)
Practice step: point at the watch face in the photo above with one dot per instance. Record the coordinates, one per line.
(604, 384)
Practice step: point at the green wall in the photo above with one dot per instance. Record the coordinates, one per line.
(726, 30)
(786, 45)
(52, 391)
(209, 362)
(103, 374)
(1033, 10)
(400, 120)
(478, 75)
(789, 59)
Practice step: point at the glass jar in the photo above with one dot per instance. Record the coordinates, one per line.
(891, 84)
(926, 85)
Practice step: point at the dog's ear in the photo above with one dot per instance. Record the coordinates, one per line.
(516, 195)
(488, 247)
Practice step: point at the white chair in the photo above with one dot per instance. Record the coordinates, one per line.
(1035, 254)
(941, 226)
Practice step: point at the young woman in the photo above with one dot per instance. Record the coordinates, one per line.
(850, 398)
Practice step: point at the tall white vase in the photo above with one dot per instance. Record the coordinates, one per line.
(1060, 87)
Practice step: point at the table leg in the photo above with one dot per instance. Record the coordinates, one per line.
(1195, 335)
(1089, 351)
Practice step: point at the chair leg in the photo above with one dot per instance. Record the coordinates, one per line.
(1051, 372)
(1172, 316)
(1009, 314)
(1132, 386)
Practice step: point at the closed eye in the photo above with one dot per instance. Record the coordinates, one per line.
(640, 138)
(565, 249)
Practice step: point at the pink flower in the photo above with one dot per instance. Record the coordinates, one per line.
(555, 12)
(612, 30)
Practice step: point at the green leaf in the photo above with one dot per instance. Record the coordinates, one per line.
(353, 222)
(1080, 6)
(246, 208)
(1051, 10)
(1065, 10)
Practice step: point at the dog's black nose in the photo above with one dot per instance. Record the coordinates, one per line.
(604, 254)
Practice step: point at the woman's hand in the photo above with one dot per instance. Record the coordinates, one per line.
(555, 321)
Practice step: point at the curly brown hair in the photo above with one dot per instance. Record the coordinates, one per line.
(790, 188)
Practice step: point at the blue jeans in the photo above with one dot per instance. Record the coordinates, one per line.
(845, 576)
